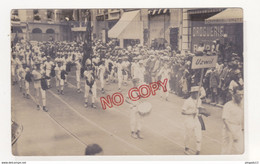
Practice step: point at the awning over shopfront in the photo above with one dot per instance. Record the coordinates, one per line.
(125, 21)
(204, 11)
(232, 15)
(158, 11)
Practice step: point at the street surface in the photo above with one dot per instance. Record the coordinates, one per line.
(68, 127)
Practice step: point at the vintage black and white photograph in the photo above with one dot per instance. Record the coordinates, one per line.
(127, 81)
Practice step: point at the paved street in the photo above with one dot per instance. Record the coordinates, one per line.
(68, 127)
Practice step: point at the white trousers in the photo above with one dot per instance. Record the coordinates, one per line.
(102, 80)
(78, 78)
(48, 73)
(120, 80)
(162, 93)
(232, 141)
(135, 120)
(38, 91)
(59, 83)
(192, 126)
(93, 90)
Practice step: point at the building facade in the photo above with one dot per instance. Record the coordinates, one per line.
(181, 29)
(40, 25)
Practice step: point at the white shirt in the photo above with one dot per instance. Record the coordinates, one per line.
(233, 113)
(78, 66)
(48, 65)
(102, 70)
(21, 73)
(191, 106)
(119, 69)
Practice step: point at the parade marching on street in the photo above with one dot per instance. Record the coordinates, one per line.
(77, 90)
(53, 83)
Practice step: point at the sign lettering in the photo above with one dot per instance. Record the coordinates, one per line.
(204, 62)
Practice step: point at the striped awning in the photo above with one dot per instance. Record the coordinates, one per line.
(232, 15)
(157, 11)
(205, 10)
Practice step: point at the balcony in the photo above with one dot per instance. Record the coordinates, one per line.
(114, 14)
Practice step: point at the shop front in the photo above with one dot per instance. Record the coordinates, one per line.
(128, 30)
(224, 27)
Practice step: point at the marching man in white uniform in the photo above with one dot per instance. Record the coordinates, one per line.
(13, 68)
(38, 79)
(135, 117)
(165, 74)
(139, 109)
(101, 73)
(232, 116)
(21, 76)
(60, 77)
(190, 112)
(48, 66)
(78, 68)
(90, 86)
(125, 64)
(28, 79)
(120, 74)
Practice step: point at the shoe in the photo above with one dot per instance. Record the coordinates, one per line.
(24, 95)
(139, 135)
(27, 96)
(93, 106)
(133, 134)
(119, 90)
(103, 90)
(61, 92)
(58, 91)
(186, 151)
(44, 108)
(197, 152)
(86, 105)
(78, 90)
(38, 107)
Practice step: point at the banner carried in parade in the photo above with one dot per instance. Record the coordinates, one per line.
(204, 62)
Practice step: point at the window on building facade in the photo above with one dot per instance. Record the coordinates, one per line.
(50, 31)
(50, 14)
(36, 15)
(15, 15)
(36, 30)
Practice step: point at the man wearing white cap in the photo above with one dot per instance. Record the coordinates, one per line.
(134, 67)
(125, 65)
(120, 74)
(155, 68)
(13, 68)
(48, 66)
(233, 113)
(38, 75)
(90, 86)
(21, 76)
(59, 81)
(191, 122)
(135, 117)
(165, 74)
(78, 68)
(101, 74)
